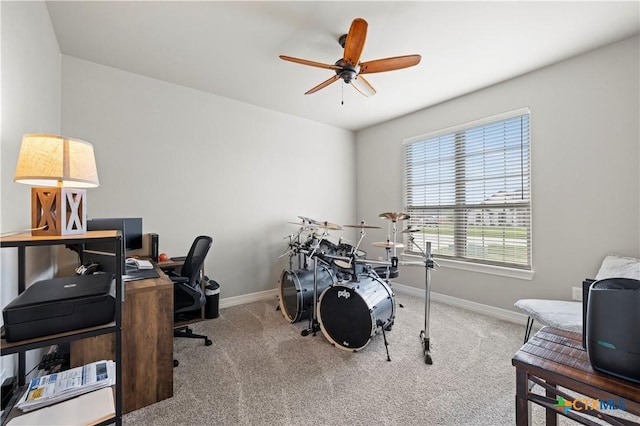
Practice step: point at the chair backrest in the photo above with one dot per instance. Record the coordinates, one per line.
(195, 258)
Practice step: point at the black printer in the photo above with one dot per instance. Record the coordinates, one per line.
(60, 304)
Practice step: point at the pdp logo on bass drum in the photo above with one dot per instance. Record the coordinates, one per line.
(344, 293)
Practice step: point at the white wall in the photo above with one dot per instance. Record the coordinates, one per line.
(30, 104)
(192, 163)
(585, 171)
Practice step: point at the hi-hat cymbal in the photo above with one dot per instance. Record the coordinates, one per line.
(328, 225)
(409, 230)
(303, 224)
(307, 220)
(394, 216)
(362, 225)
(388, 244)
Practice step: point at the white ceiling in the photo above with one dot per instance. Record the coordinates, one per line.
(231, 48)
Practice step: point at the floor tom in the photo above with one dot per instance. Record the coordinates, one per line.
(296, 291)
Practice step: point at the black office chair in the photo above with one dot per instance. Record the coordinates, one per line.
(187, 292)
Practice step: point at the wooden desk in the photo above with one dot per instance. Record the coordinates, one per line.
(147, 343)
(555, 358)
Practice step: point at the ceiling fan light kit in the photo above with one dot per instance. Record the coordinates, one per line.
(349, 68)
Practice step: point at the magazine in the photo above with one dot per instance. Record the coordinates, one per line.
(56, 387)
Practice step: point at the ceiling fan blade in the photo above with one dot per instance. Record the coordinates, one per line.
(310, 63)
(355, 41)
(363, 86)
(323, 84)
(389, 64)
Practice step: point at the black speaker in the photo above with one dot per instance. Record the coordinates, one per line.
(154, 247)
(613, 327)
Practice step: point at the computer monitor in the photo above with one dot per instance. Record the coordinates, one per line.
(131, 229)
(103, 252)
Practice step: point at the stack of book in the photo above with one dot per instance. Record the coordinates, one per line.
(57, 387)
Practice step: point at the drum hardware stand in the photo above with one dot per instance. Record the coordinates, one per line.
(391, 227)
(351, 265)
(314, 325)
(380, 324)
(428, 265)
(292, 249)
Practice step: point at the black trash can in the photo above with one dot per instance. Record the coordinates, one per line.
(212, 294)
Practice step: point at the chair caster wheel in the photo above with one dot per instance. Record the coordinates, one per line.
(208, 342)
(175, 363)
(189, 331)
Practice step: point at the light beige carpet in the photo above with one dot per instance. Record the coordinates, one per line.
(261, 371)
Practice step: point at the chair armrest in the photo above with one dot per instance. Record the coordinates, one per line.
(179, 280)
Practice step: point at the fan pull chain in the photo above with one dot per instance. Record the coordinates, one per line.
(342, 93)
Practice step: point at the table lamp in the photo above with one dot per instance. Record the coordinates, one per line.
(59, 168)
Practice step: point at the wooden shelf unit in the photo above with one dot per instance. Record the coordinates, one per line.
(21, 242)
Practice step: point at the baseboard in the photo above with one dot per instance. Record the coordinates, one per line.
(500, 313)
(249, 298)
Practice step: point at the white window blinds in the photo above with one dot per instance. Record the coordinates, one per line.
(468, 190)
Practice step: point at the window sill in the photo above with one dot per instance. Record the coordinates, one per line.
(520, 274)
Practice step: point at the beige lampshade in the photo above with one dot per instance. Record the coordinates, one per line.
(50, 160)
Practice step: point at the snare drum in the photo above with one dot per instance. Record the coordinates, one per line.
(351, 312)
(296, 291)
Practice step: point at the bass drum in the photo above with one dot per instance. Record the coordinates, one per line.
(350, 312)
(296, 291)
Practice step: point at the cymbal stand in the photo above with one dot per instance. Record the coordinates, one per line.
(428, 265)
(293, 247)
(393, 259)
(354, 250)
(314, 325)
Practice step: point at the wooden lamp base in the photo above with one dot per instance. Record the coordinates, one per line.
(58, 211)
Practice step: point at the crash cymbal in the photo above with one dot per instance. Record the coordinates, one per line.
(362, 225)
(328, 225)
(393, 216)
(387, 244)
(409, 230)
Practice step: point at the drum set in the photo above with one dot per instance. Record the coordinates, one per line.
(338, 290)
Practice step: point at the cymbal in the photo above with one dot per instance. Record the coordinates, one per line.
(328, 225)
(342, 264)
(303, 224)
(388, 244)
(362, 225)
(393, 216)
(307, 220)
(409, 230)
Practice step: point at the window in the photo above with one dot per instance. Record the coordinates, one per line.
(468, 191)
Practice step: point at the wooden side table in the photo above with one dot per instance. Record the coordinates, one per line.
(555, 359)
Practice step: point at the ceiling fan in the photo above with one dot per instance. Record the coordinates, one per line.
(349, 68)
